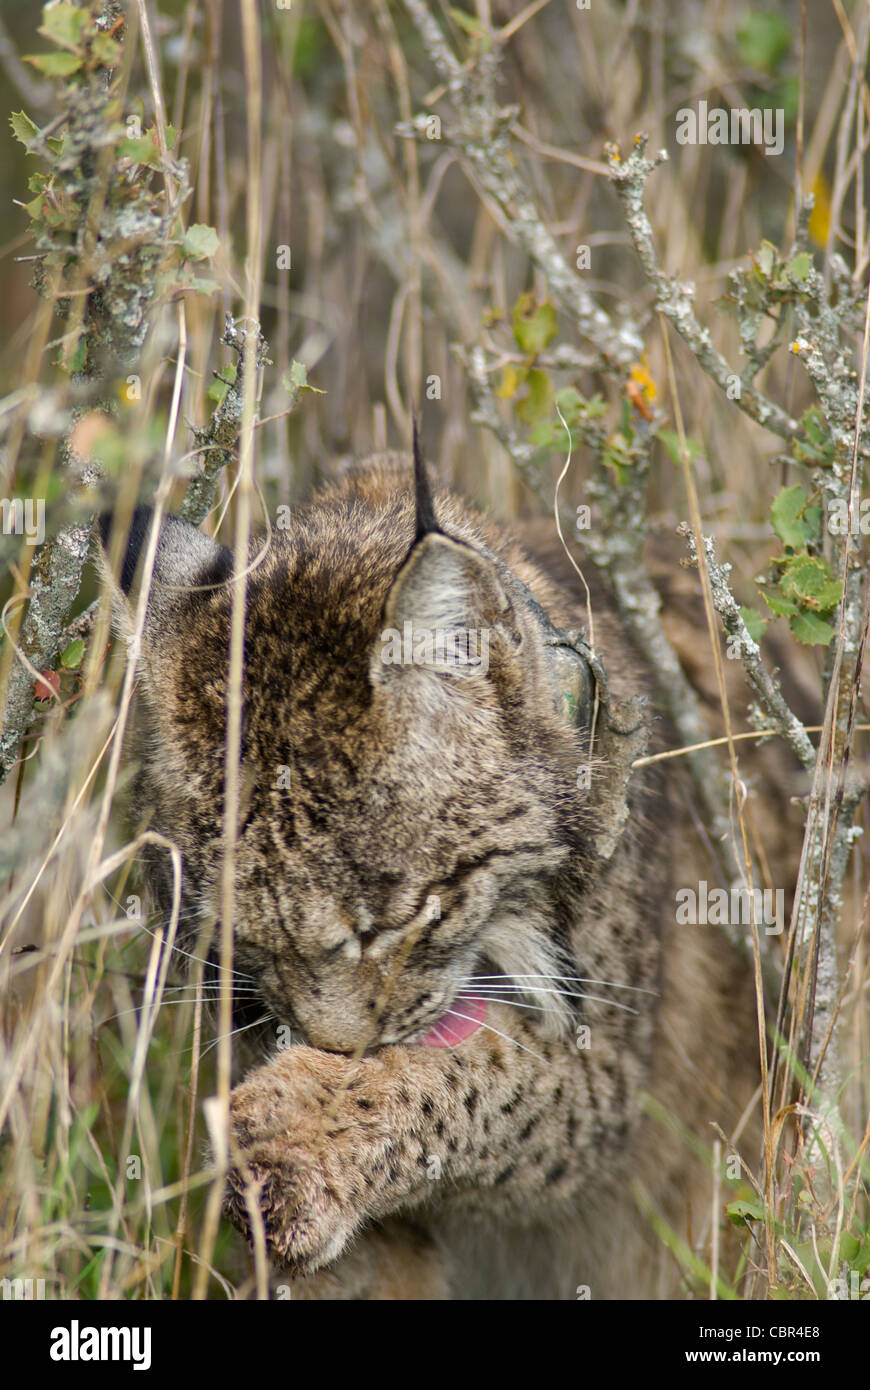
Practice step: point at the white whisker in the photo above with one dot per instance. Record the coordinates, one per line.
(213, 989)
(266, 1018)
(507, 1037)
(562, 993)
(137, 1008)
(512, 1003)
(237, 974)
(565, 979)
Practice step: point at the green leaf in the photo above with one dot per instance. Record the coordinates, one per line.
(813, 422)
(64, 218)
(511, 381)
(571, 403)
(764, 40)
(817, 449)
(22, 127)
(298, 375)
(468, 22)
(200, 242)
(786, 517)
(539, 402)
(202, 285)
(618, 453)
(71, 656)
(55, 64)
(550, 434)
(808, 580)
(756, 626)
(798, 268)
(64, 24)
(811, 630)
(79, 358)
(766, 257)
(112, 451)
(141, 149)
(222, 384)
(296, 381)
(742, 1211)
(855, 1251)
(575, 407)
(534, 324)
(671, 441)
(780, 606)
(106, 50)
(308, 48)
(828, 596)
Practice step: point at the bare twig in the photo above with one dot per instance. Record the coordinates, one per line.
(55, 580)
(480, 131)
(675, 299)
(763, 683)
(218, 441)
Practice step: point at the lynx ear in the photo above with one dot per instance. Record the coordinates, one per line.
(447, 587)
(186, 561)
(447, 613)
(447, 606)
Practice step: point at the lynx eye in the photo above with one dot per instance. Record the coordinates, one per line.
(349, 949)
(573, 681)
(570, 662)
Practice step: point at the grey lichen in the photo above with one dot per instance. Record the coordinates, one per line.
(675, 299)
(216, 443)
(766, 687)
(103, 233)
(480, 131)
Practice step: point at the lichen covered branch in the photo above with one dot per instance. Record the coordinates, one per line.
(55, 580)
(675, 299)
(766, 687)
(216, 442)
(480, 131)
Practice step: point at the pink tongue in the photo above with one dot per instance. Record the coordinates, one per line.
(463, 1018)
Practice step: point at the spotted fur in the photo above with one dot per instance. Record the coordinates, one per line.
(384, 1168)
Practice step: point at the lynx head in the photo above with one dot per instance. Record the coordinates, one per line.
(409, 814)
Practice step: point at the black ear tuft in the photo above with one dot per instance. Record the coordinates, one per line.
(136, 538)
(424, 507)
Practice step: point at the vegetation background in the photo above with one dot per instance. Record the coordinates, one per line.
(388, 276)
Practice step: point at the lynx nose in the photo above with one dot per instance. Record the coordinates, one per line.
(341, 1030)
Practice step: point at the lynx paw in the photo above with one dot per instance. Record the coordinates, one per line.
(307, 1160)
(305, 1222)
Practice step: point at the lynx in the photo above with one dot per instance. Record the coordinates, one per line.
(452, 892)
